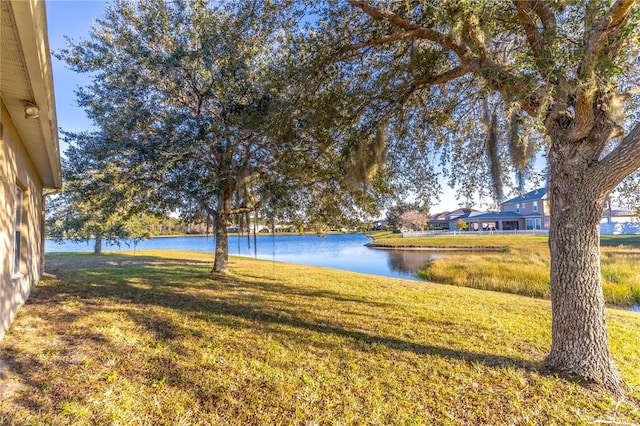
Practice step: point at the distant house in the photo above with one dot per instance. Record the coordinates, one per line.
(448, 220)
(532, 212)
(438, 221)
(29, 152)
(618, 214)
(498, 221)
(529, 211)
(619, 220)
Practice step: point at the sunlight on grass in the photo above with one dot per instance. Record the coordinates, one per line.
(621, 277)
(520, 264)
(519, 271)
(156, 339)
(462, 240)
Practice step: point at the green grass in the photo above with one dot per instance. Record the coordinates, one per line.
(155, 339)
(522, 271)
(461, 241)
(520, 263)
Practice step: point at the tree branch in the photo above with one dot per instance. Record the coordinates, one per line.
(546, 16)
(596, 40)
(599, 33)
(448, 43)
(472, 27)
(526, 10)
(381, 40)
(431, 80)
(621, 161)
(249, 209)
(205, 206)
(625, 96)
(496, 75)
(444, 77)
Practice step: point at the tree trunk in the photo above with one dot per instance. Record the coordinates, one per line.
(97, 248)
(221, 261)
(580, 345)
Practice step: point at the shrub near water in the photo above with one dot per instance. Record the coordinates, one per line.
(621, 276)
(520, 265)
(461, 240)
(519, 271)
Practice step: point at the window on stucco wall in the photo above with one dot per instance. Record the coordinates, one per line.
(17, 225)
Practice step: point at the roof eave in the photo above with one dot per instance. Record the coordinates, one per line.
(31, 26)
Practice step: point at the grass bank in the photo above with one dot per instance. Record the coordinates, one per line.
(463, 241)
(155, 339)
(520, 263)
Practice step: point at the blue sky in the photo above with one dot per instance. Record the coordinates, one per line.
(73, 18)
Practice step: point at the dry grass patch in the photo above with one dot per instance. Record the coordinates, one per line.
(155, 339)
(519, 264)
(468, 241)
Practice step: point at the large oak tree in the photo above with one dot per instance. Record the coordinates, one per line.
(186, 90)
(479, 81)
(192, 95)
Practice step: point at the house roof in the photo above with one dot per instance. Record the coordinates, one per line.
(462, 213)
(536, 194)
(439, 216)
(535, 214)
(26, 78)
(499, 215)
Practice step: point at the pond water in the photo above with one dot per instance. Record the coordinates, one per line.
(340, 251)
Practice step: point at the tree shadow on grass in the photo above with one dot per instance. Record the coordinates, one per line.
(166, 279)
(188, 288)
(171, 272)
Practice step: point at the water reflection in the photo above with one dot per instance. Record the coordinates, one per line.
(409, 261)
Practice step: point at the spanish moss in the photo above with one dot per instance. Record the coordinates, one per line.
(519, 150)
(368, 158)
(492, 150)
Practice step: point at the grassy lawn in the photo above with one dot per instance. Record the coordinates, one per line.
(520, 263)
(460, 241)
(155, 339)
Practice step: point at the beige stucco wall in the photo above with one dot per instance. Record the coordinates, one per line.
(16, 168)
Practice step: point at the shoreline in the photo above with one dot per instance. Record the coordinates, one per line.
(431, 248)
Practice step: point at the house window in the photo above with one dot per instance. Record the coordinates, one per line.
(17, 226)
(534, 224)
(518, 208)
(535, 206)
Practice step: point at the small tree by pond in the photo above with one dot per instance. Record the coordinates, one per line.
(94, 202)
(461, 225)
(413, 220)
